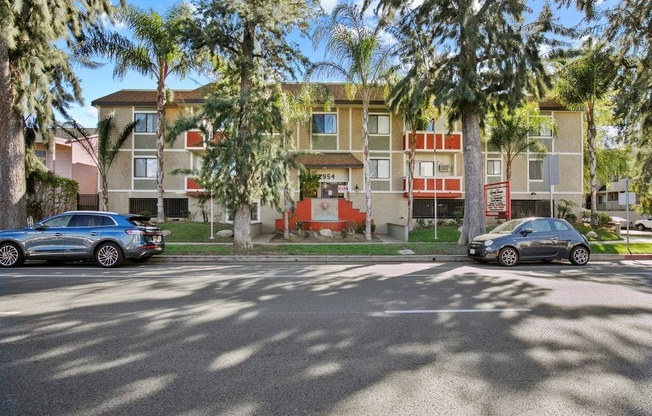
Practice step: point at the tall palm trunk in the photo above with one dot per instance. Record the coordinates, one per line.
(411, 162)
(474, 219)
(160, 145)
(590, 138)
(367, 168)
(13, 205)
(242, 220)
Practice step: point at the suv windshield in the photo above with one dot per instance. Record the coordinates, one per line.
(508, 227)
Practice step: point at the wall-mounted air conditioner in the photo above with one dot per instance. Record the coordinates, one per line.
(445, 168)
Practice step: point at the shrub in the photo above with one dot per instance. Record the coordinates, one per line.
(51, 194)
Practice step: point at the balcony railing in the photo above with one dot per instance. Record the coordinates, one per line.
(431, 141)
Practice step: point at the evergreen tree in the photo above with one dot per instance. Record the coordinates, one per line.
(155, 50)
(357, 55)
(492, 59)
(36, 78)
(249, 41)
(409, 94)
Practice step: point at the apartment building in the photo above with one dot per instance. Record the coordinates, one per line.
(335, 140)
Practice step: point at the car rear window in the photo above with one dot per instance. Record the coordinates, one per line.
(140, 221)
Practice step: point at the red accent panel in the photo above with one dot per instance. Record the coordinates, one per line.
(217, 137)
(430, 141)
(453, 184)
(440, 143)
(191, 184)
(453, 142)
(419, 184)
(194, 139)
(303, 212)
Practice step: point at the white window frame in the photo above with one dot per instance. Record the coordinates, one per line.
(389, 124)
(529, 169)
(377, 160)
(493, 163)
(147, 114)
(324, 114)
(148, 158)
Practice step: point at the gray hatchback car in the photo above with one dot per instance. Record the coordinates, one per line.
(543, 239)
(105, 237)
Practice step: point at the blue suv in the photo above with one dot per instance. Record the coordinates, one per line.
(105, 237)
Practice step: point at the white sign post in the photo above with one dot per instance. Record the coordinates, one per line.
(627, 198)
(551, 175)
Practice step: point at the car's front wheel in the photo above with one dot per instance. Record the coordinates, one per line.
(108, 255)
(508, 257)
(579, 256)
(10, 255)
(641, 227)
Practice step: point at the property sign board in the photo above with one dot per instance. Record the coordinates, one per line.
(497, 200)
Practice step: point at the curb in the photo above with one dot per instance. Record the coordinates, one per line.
(357, 259)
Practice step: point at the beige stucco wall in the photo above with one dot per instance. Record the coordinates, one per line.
(569, 134)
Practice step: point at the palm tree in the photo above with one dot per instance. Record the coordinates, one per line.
(581, 84)
(357, 55)
(102, 149)
(156, 50)
(511, 133)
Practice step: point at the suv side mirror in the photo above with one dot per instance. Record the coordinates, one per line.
(38, 226)
(526, 231)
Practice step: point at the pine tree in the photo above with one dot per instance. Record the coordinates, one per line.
(36, 78)
(252, 53)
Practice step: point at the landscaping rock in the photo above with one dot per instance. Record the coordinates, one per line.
(591, 234)
(167, 233)
(326, 233)
(449, 221)
(225, 233)
(405, 251)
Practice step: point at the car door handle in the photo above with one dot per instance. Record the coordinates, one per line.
(555, 238)
(93, 234)
(58, 234)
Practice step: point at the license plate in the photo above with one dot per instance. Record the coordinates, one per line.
(156, 239)
(471, 251)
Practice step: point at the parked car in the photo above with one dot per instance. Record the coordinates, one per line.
(622, 221)
(543, 239)
(105, 237)
(643, 225)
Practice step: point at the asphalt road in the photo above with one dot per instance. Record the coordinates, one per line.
(336, 339)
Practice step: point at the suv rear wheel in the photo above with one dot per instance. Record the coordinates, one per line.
(108, 255)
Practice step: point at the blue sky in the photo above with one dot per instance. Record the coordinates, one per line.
(99, 82)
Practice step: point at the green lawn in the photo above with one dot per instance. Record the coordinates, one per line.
(421, 243)
(191, 231)
(351, 249)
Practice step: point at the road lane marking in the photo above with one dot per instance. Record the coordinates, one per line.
(415, 311)
(9, 313)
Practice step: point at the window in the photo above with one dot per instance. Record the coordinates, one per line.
(546, 130)
(40, 155)
(145, 167)
(145, 122)
(324, 123)
(536, 170)
(494, 167)
(426, 169)
(560, 226)
(379, 168)
(230, 216)
(378, 124)
(60, 221)
(90, 221)
(540, 226)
